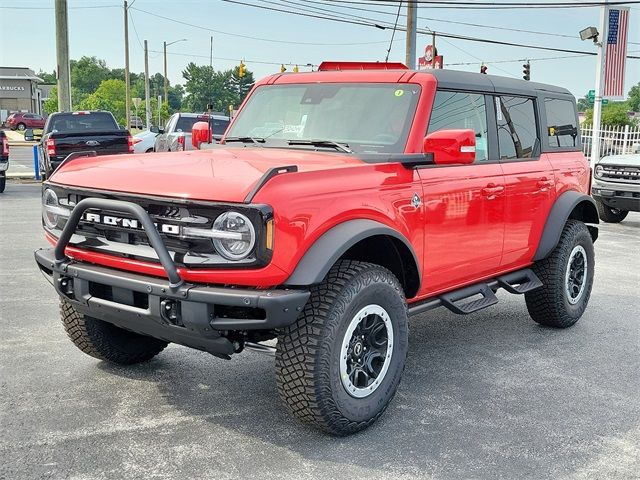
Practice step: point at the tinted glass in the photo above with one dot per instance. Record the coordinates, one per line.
(562, 125)
(459, 110)
(368, 117)
(219, 126)
(94, 121)
(517, 132)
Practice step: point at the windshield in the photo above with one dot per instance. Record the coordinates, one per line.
(368, 118)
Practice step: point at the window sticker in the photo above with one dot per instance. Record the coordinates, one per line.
(498, 109)
(399, 93)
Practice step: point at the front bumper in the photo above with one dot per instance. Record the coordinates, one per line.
(622, 196)
(171, 309)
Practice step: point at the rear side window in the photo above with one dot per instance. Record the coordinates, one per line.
(517, 130)
(460, 110)
(185, 124)
(562, 125)
(219, 126)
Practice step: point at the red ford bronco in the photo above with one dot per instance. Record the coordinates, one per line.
(343, 202)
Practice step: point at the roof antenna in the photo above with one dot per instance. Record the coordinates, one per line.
(393, 34)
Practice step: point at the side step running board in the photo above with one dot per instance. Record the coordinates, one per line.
(518, 282)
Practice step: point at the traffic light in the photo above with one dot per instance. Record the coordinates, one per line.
(483, 69)
(242, 69)
(283, 68)
(296, 69)
(526, 71)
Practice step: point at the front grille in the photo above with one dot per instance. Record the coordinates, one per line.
(118, 234)
(621, 174)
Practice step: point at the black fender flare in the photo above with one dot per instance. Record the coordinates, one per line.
(334, 243)
(561, 211)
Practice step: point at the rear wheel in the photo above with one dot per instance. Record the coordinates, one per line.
(609, 214)
(105, 341)
(339, 365)
(567, 277)
(22, 127)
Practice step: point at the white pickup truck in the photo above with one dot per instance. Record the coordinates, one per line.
(176, 135)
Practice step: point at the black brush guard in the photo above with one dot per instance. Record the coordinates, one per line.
(170, 309)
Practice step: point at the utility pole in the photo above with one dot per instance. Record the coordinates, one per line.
(412, 27)
(147, 98)
(62, 54)
(211, 54)
(597, 104)
(127, 89)
(166, 83)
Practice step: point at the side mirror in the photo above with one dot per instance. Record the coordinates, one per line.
(200, 133)
(28, 135)
(154, 129)
(451, 147)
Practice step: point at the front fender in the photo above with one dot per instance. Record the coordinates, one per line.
(323, 254)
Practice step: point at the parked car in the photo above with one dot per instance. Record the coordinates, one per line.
(136, 122)
(176, 136)
(76, 132)
(343, 202)
(144, 141)
(616, 186)
(22, 121)
(4, 160)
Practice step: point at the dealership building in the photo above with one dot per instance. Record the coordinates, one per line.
(19, 91)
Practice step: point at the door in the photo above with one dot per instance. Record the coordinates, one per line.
(529, 178)
(161, 139)
(464, 204)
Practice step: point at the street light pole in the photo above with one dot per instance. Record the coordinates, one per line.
(599, 87)
(127, 88)
(147, 98)
(166, 81)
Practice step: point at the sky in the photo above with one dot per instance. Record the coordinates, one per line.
(96, 28)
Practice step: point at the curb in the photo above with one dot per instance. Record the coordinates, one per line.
(21, 144)
(20, 175)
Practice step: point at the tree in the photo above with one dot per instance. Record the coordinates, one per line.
(47, 78)
(50, 105)
(204, 85)
(108, 96)
(176, 94)
(634, 98)
(583, 104)
(613, 114)
(88, 73)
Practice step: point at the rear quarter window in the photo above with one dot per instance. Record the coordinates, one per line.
(562, 124)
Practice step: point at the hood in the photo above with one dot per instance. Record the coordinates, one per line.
(222, 174)
(631, 160)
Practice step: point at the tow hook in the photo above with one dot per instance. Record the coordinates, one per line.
(66, 286)
(170, 311)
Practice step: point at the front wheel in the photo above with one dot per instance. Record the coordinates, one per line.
(567, 277)
(339, 365)
(105, 341)
(22, 127)
(609, 214)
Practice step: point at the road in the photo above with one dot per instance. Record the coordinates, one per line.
(489, 395)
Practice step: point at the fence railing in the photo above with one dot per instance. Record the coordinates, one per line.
(614, 140)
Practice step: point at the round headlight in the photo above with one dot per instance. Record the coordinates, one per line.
(240, 236)
(599, 171)
(49, 199)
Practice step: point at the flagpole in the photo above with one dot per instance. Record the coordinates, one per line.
(597, 104)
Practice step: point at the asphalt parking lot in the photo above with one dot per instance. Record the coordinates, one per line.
(490, 395)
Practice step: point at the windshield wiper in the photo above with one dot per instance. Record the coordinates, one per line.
(255, 140)
(322, 143)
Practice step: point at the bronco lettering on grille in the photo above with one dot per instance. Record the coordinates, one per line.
(130, 223)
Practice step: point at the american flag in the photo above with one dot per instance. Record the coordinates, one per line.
(616, 53)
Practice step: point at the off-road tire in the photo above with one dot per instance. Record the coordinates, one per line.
(610, 215)
(105, 341)
(549, 305)
(308, 352)
(3, 182)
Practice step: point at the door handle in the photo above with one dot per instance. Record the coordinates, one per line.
(544, 184)
(491, 191)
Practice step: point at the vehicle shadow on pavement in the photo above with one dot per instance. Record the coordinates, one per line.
(482, 395)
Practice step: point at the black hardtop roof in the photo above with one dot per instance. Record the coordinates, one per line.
(457, 80)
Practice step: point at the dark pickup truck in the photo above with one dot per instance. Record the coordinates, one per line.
(69, 132)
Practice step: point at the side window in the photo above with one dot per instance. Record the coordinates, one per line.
(562, 127)
(517, 130)
(454, 110)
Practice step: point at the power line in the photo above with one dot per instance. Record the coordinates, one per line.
(381, 25)
(491, 5)
(386, 59)
(248, 60)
